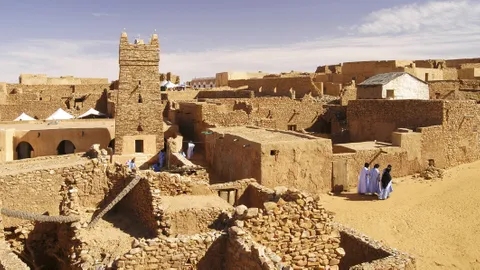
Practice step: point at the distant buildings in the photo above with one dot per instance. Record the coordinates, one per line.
(205, 83)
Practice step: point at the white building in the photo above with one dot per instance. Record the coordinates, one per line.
(205, 83)
(393, 85)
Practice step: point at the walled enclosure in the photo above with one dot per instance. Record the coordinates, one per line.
(194, 118)
(88, 184)
(139, 109)
(445, 131)
(272, 157)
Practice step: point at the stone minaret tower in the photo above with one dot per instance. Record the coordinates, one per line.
(138, 118)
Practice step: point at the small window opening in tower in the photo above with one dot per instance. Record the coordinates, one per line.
(140, 99)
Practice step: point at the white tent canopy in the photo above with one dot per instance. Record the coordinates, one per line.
(170, 85)
(24, 117)
(60, 115)
(91, 112)
(163, 83)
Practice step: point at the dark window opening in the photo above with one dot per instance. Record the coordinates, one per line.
(41, 98)
(138, 146)
(390, 94)
(139, 128)
(274, 152)
(139, 82)
(140, 99)
(24, 150)
(292, 127)
(437, 95)
(65, 147)
(111, 144)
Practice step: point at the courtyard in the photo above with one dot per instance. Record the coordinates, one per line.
(437, 221)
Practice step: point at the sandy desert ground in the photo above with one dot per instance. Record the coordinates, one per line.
(437, 221)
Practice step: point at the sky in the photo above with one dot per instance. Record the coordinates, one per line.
(200, 38)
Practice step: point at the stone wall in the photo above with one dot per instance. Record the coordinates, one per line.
(279, 86)
(295, 227)
(456, 141)
(268, 112)
(455, 89)
(10, 261)
(361, 252)
(39, 185)
(201, 251)
(225, 94)
(245, 254)
(42, 100)
(370, 120)
(42, 79)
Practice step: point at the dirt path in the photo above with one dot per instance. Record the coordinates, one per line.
(436, 221)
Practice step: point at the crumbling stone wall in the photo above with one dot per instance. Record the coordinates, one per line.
(40, 186)
(455, 89)
(296, 227)
(279, 86)
(269, 112)
(42, 100)
(201, 251)
(245, 254)
(225, 94)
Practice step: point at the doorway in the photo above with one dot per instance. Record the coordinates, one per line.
(65, 147)
(24, 150)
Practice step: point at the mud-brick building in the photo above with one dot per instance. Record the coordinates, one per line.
(272, 157)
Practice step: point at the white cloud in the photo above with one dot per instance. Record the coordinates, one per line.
(432, 16)
(373, 40)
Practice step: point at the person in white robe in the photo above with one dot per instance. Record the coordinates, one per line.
(190, 148)
(386, 185)
(374, 180)
(363, 179)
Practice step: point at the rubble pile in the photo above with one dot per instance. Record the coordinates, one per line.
(296, 227)
(432, 172)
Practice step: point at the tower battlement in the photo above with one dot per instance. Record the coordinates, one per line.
(139, 52)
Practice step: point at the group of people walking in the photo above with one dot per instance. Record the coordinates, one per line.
(373, 182)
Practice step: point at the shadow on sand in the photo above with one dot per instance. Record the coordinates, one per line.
(357, 197)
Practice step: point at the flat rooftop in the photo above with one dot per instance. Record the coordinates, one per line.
(359, 146)
(182, 202)
(264, 136)
(44, 125)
